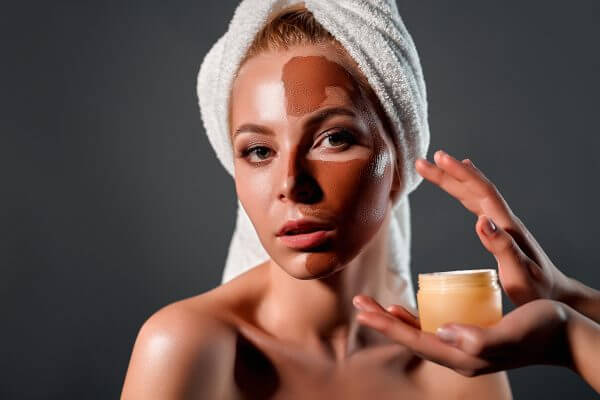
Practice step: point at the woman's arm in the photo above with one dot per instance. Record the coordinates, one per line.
(584, 343)
(583, 299)
(180, 355)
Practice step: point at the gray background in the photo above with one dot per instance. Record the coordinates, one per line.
(114, 204)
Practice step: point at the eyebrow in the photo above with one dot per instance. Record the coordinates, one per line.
(320, 117)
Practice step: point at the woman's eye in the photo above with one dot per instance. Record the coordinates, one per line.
(261, 152)
(340, 138)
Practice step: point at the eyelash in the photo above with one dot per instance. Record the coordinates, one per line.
(345, 133)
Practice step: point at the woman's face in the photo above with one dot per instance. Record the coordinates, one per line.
(309, 145)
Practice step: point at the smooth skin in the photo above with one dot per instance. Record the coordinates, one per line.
(557, 318)
(283, 330)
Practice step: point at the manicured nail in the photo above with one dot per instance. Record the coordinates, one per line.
(489, 227)
(358, 305)
(447, 335)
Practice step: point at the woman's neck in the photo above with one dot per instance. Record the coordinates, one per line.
(319, 313)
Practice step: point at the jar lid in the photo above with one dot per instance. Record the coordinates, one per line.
(459, 278)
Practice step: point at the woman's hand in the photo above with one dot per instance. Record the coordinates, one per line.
(540, 332)
(534, 333)
(525, 271)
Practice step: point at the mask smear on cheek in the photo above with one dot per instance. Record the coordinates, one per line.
(354, 190)
(357, 191)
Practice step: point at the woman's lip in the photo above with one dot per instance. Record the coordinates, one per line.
(306, 240)
(304, 225)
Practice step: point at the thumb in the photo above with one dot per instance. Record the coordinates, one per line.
(513, 263)
(473, 340)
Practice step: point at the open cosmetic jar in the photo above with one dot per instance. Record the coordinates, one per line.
(467, 297)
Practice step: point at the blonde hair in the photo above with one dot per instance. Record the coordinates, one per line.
(294, 25)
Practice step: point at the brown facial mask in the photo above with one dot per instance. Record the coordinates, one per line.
(306, 80)
(345, 179)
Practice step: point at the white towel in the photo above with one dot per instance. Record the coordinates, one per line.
(375, 37)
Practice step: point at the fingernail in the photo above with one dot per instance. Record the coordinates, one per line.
(447, 335)
(358, 305)
(363, 306)
(489, 227)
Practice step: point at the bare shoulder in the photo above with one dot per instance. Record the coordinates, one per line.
(182, 351)
(187, 348)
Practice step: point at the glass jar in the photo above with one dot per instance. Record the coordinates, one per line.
(466, 297)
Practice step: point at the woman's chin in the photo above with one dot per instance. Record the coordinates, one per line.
(306, 266)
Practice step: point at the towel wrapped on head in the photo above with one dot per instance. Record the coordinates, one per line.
(373, 34)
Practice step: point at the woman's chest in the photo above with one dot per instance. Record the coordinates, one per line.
(263, 373)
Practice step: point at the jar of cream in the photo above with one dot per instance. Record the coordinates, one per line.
(467, 297)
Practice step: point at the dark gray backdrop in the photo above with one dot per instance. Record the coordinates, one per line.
(114, 205)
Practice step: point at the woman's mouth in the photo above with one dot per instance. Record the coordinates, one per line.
(305, 233)
(305, 240)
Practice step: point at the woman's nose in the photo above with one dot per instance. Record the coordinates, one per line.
(298, 184)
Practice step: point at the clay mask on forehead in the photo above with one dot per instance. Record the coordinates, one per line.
(307, 80)
(348, 185)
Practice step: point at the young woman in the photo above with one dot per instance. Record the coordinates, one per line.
(316, 171)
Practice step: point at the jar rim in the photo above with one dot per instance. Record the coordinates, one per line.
(458, 278)
(461, 272)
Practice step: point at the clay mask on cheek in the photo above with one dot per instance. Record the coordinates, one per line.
(356, 185)
(357, 192)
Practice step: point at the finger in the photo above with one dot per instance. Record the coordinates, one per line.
(402, 313)
(367, 303)
(471, 200)
(468, 162)
(474, 340)
(394, 328)
(514, 265)
(471, 177)
(426, 344)
(516, 228)
(438, 176)
(485, 200)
